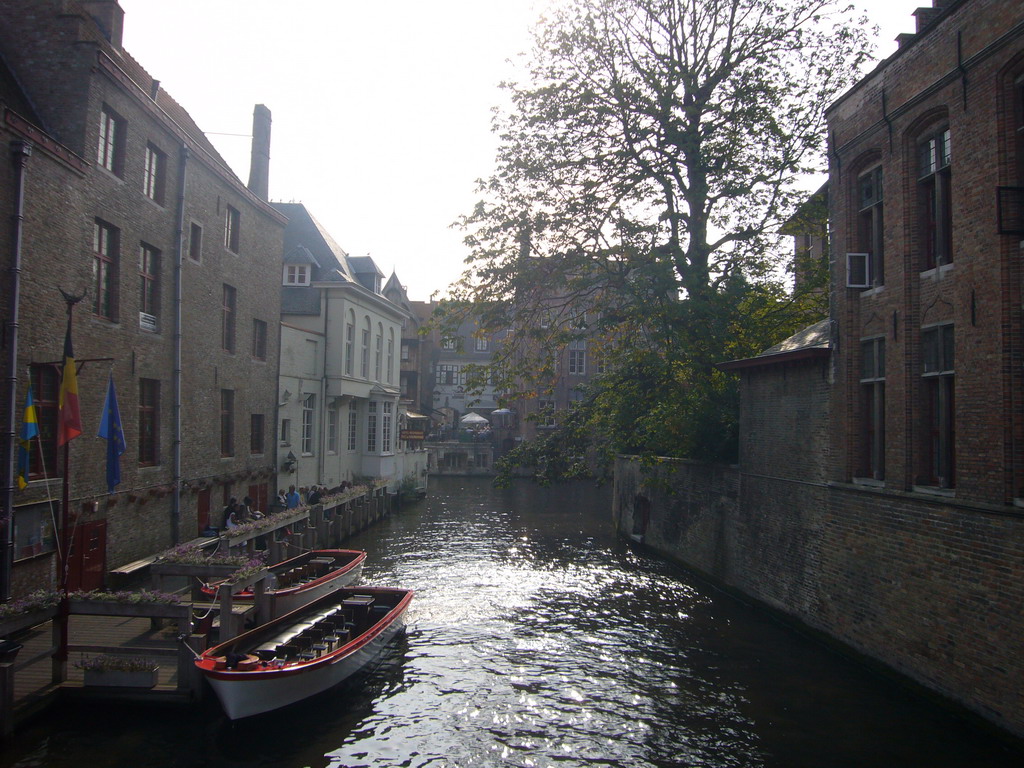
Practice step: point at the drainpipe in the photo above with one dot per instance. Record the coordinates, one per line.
(21, 151)
(179, 252)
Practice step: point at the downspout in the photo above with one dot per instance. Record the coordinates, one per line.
(21, 151)
(179, 249)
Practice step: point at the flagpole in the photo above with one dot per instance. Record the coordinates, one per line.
(61, 657)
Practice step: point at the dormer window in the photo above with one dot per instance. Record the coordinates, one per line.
(296, 274)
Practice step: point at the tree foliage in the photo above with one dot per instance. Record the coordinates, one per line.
(649, 158)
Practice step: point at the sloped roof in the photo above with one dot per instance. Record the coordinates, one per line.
(332, 263)
(813, 341)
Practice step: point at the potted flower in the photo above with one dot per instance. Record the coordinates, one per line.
(119, 671)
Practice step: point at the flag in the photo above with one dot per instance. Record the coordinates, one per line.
(69, 420)
(29, 429)
(111, 431)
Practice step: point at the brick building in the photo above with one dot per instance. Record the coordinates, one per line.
(127, 203)
(878, 499)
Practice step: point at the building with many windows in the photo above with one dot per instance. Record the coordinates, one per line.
(340, 409)
(118, 197)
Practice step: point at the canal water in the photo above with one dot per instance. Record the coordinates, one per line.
(538, 638)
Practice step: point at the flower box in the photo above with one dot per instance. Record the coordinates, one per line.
(122, 678)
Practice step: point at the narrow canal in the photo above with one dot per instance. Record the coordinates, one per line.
(537, 638)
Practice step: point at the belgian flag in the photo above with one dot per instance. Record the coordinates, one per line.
(69, 419)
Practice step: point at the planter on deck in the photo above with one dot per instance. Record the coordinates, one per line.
(122, 678)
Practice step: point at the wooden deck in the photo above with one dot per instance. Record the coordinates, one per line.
(33, 686)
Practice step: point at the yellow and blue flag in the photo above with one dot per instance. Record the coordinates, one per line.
(29, 430)
(112, 432)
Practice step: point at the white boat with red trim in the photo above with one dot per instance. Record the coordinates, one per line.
(293, 583)
(305, 652)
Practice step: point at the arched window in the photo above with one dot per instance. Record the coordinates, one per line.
(365, 367)
(350, 343)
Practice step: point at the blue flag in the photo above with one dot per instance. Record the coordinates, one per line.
(29, 430)
(111, 431)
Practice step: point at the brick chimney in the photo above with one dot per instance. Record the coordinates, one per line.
(259, 160)
(109, 17)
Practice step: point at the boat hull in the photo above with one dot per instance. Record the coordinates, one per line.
(269, 686)
(283, 600)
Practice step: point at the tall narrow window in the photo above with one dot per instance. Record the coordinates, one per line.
(149, 422)
(232, 225)
(105, 257)
(389, 374)
(257, 434)
(350, 343)
(872, 403)
(227, 328)
(481, 344)
(195, 242)
(227, 422)
(378, 362)
(259, 339)
(870, 223)
(149, 286)
(332, 430)
(110, 152)
(935, 210)
(45, 395)
(308, 414)
(371, 427)
(938, 407)
(386, 422)
(286, 431)
(577, 357)
(353, 426)
(155, 174)
(365, 367)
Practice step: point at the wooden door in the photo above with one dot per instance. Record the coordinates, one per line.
(88, 556)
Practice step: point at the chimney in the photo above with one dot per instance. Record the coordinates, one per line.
(109, 17)
(259, 161)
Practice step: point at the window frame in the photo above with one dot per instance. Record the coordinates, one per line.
(259, 339)
(149, 422)
(307, 432)
(232, 228)
(154, 174)
(870, 222)
(938, 406)
(229, 312)
(149, 281)
(872, 405)
(195, 242)
(934, 221)
(257, 434)
(106, 258)
(110, 150)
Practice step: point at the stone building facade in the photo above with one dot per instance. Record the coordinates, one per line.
(128, 205)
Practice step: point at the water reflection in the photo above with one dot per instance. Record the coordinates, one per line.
(538, 638)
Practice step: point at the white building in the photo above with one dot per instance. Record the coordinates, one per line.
(339, 406)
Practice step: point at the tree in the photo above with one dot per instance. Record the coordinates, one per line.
(649, 158)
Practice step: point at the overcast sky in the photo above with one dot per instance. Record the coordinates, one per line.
(381, 110)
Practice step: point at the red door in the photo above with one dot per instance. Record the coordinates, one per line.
(88, 557)
(203, 510)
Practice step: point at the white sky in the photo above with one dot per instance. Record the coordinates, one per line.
(381, 110)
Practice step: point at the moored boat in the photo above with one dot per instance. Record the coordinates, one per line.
(305, 652)
(294, 583)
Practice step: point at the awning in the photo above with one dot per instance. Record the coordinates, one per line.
(414, 415)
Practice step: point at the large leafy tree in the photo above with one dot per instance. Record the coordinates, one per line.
(650, 155)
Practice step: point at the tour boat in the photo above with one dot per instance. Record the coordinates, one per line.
(305, 652)
(293, 583)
